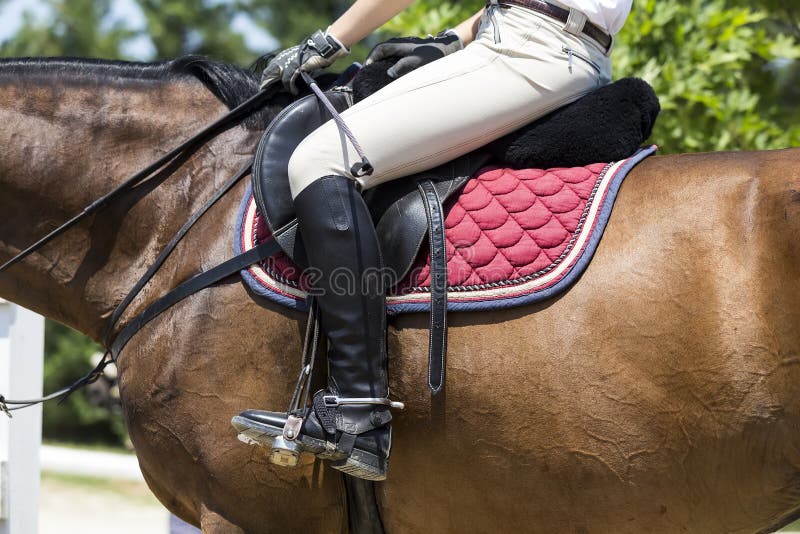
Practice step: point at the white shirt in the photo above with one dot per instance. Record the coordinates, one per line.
(609, 15)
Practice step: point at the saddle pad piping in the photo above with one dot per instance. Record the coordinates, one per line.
(280, 292)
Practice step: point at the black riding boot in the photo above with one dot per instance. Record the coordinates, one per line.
(350, 420)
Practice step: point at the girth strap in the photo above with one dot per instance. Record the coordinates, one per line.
(437, 348)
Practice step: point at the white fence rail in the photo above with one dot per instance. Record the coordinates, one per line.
(21, 368)
(83, 463)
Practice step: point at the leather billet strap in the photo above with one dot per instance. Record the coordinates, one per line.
(437, 344)
(566, 16)
(162, 257)
(191, 286)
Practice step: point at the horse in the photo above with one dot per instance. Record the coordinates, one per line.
(659, 394)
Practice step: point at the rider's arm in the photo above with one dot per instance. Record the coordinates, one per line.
(468, 29)
(364, 17)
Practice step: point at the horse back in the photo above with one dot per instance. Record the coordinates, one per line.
(669, 367)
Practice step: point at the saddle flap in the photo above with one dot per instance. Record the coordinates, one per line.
(398, 209)
(271, 165)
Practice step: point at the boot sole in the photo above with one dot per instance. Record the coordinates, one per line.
(360, 463)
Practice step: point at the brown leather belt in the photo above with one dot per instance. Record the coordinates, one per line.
(559, 13)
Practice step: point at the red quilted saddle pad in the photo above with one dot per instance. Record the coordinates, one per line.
(512, 237)
(508, 224)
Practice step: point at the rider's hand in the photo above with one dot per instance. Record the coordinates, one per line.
(415, 51)
(317, 52)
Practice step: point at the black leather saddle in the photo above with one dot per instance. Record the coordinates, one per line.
(398, 207)
(404, 211)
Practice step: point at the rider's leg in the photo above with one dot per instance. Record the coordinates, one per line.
(342, 247)
(426, 118)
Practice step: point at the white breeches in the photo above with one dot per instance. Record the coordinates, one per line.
(459, 103)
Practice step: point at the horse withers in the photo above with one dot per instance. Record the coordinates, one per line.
(659, 394)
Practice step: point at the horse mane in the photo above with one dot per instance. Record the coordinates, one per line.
(230, 83)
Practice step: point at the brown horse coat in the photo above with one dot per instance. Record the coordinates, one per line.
(660, 394)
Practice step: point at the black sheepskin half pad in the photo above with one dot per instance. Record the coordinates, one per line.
(372, 78)
(606, 125)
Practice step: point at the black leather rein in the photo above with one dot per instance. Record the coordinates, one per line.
(161, 168)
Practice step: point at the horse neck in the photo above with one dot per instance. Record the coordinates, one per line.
(66, 143)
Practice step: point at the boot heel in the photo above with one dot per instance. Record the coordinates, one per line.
(361, 464)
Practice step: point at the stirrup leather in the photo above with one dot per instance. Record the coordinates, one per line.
(285, 451)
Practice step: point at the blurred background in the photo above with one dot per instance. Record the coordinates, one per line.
(726, 71)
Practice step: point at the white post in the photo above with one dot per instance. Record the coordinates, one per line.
(21, 370)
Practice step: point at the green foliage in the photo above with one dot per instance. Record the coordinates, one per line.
(716, 67)
(432, 16)
(86, 28)
(67, 358)
(75, 30)
(723, 69)
(289, 21)
(177, 27)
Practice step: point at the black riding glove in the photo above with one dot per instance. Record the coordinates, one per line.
(415, 51)
(317, 52)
